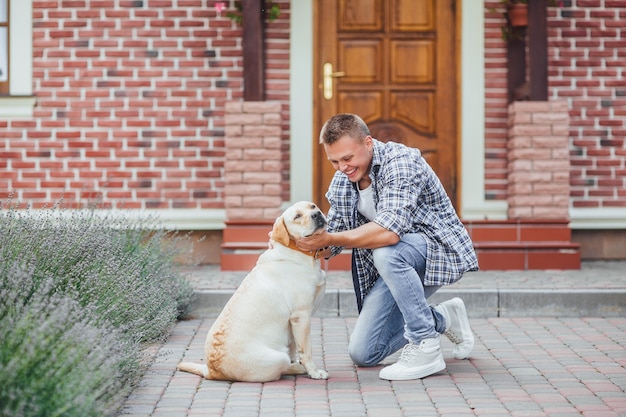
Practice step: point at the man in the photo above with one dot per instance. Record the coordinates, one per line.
(387, 204)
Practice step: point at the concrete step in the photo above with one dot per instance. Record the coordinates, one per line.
(480, 303)
(597, 289)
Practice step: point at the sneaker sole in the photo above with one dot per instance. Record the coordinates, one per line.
(458, 352)
(422, 372)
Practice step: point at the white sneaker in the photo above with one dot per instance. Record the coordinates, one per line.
(458, 329)
(416, 361)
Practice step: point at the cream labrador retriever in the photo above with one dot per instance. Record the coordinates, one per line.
(266, 325)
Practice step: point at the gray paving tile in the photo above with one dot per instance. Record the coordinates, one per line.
(533, 357)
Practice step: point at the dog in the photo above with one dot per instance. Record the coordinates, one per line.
(264, 331)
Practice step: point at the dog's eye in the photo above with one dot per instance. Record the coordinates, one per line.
(297, 216)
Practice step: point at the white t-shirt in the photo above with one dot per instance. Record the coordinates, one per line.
(366, 203)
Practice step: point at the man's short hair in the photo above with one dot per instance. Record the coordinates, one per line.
(343, 124)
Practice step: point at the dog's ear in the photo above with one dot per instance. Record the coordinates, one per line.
(279, 232)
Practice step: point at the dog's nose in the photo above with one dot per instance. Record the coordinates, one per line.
(318, 219)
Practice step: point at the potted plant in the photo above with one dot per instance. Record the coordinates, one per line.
(517, 11)
(516, 16)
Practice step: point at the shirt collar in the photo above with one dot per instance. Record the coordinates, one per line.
(376, 157)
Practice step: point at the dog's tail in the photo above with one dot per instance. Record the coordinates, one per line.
(194, 368)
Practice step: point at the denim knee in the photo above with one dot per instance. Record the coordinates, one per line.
(382, 256)
(361, 356)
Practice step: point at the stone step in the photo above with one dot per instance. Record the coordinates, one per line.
(480, 303)
(500, 245)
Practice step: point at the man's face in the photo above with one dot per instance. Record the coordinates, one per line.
(351, 156)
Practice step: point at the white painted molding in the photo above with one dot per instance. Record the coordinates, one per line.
(597, 218)
(301, 100)
(191, 219)
(171, 219)
(473, 203)
(21, 65)
(489, 210)
(17, 106)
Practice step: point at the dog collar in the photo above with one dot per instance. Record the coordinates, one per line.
(315, 254)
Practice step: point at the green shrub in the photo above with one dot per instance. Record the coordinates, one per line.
(53, 360)
(82, 293)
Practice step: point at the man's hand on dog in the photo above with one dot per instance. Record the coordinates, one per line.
(314, 242)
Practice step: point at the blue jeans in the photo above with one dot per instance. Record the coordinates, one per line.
(396, 310)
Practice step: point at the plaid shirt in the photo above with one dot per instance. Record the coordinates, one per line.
(409, 198)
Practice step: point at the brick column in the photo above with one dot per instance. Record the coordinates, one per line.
(538, 160)
(253, 158)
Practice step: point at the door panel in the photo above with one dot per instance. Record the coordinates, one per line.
(412, 16)
(394, 64)
(362, 61)
(413, 62)
(359, 15)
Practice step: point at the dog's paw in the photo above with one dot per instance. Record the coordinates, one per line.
(296, 369)
(319, 374)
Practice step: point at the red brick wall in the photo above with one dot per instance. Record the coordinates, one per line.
(586, 52)
(588, 69)
(496, 104)
(130, 103)
(131, 98)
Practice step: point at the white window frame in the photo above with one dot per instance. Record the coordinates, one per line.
(20, 102)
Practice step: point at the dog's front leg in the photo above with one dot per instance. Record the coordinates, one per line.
(301, 329)
(296, 367)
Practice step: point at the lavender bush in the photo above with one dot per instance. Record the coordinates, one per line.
(54, 360)
(81, 293)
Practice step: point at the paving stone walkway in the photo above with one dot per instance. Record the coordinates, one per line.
(520, 366)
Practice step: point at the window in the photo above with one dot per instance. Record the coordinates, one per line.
(16, 58)
(4, 46)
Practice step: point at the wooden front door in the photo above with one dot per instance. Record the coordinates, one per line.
(392, 62)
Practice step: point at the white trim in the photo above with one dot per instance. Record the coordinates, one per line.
(486, 210)
(17, 106)
(21, 65)
(189, 219)
(473, 203)
(21, 62)
(301, 100)
(171, 219)
(597, 218)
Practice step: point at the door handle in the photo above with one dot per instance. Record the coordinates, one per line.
(328, 79)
